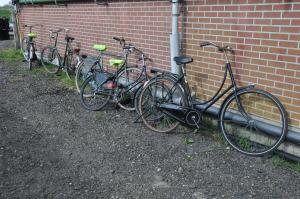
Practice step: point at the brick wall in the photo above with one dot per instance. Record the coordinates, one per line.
(264, 34)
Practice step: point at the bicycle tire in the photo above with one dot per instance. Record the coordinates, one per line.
(147, 95)
(31, 56)
(91, 91)
(25, 48)
(126, 77)
(68, 68)
(243, 126)
(82, 72)
(137, 98)
(140, 89)
(50, 60)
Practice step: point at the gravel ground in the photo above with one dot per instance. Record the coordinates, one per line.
(52, 148)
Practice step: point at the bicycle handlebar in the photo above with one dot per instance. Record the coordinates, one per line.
(59, 30)
(220, 48)
(30, 26)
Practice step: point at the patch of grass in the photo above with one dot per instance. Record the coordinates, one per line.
(4, 12)
(66, 81)
(188, 141)
(100, 115)
(244, 142)
(279, 161)
(188, 157)
(61, 77)
(11, 54)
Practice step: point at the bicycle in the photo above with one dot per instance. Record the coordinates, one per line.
(252, 121)
(51, 58)
(83, 71)
(120, 85)
(28, 46)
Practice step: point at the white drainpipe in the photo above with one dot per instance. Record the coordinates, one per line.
(174, 38)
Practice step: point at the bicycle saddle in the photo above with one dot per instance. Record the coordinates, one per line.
(157, 70)
(183, 60)
(69, 38)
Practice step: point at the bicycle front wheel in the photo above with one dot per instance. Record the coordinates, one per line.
(25, 49)
(128, 82)
(50, 60)
(31, 56)
(93, 95)
(254, 122)
(159, 91)
(82, 72)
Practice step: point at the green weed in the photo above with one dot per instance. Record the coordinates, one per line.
(279, 161)
(4, 12)
(188, 157)
(188, 141)
(66, 81)
(11, 55)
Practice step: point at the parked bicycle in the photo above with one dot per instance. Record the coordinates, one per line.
(83, 70)
(51, 58)
(253, 121)
(119, 85)
(28, 46)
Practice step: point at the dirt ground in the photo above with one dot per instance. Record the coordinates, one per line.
(51, 147)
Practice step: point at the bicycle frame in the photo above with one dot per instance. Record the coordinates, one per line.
(113, 78)
(68, 49)
(68, 52)
(184, 86)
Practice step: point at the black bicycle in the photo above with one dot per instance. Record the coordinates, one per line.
(84, 70)
(120, 85)
(253, 121)
(52, 60)
(28, 46)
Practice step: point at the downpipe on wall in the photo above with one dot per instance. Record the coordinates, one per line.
(174, 37)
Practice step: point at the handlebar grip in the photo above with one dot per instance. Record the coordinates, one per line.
(116, 38)
(205, 44)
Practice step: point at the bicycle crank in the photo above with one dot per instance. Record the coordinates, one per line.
(184, 115)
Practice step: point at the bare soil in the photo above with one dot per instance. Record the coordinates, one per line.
(50, 147)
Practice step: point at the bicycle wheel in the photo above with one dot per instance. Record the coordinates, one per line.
(137, 99)
(93, 95)
(31, 54)
(69, 67)
(82, 72)
(140, 89)
(50, 60)
(247, 127)
(25, 49)
(156, 92)
(128, 81)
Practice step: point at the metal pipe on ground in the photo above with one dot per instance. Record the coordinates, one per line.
(292, 136)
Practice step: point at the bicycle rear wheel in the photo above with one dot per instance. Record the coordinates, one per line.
(69, 67)
(50, 60)
(128, 81)
(157, 92)
(255, 126)
(137, 96)
(93, 95)
(82, 72)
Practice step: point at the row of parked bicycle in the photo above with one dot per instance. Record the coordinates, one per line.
(252, 121)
